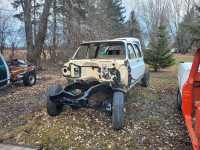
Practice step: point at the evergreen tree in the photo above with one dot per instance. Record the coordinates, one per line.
(114, 12)
(195, 29)
(133, 28)
(184, 39)
(158, 56)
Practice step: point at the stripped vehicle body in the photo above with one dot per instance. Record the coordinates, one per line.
(111, 67)
(109, 63)
(188, 97)
(16, 70)
(17, 73)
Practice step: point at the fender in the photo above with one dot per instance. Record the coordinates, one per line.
(7, 69)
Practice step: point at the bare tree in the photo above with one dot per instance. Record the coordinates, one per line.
(26, 6)
(4, 25)
(14, 39)
(175, 16)
(150, 14)
(34, 47)
(179, 9)
(188, 4)
(42, 28)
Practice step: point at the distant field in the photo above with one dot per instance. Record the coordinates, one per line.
(185, 58)
(21, 54)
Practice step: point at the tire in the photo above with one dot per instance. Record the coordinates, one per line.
(118, 111)
(29, 78)
(179, 100)
(53, 109)
(145, 79)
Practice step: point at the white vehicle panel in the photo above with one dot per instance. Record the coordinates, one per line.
(137, 63)
(140, 61)
(183, 74)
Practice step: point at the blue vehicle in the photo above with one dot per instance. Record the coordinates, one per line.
(4, 72)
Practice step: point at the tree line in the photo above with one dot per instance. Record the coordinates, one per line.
(61, 25)
(186, 36)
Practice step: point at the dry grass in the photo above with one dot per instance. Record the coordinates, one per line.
(21, 54)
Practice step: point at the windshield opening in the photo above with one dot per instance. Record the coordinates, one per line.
(101, 50)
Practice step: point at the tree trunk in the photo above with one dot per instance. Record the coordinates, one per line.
(54, 32)
(182, 52)
(44, 55)
(13, 52)
(34, 17)
(28, 28)
(42, 28)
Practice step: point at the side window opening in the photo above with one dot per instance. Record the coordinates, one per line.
(82, 52)
(138, 51)
(92, 52)
(131, 52)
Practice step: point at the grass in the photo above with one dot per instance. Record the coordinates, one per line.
(151, 121)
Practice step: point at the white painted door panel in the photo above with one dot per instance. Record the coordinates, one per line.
(134, 63)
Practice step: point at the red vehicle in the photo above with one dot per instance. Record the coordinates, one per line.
(188, 97)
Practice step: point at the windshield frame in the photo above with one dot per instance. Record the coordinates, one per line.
(103, 42)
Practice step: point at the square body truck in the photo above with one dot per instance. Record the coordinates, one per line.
(112, 67)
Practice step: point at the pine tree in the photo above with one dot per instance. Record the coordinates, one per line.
(114, 12)
(184, 39)
(158, 56)
(132, 26)
(195, 29)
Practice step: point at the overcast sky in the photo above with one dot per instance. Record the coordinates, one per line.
(5, 4)
(128, 4)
